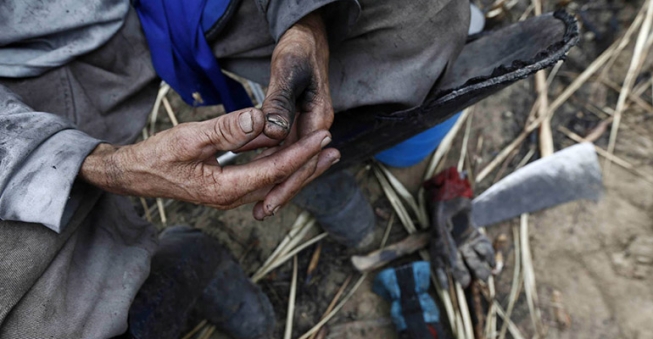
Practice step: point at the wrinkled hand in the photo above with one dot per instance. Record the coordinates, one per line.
(298, 101)
(299, 81)
(179, 163)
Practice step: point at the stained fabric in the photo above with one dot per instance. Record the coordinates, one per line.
(181, 55)
(37, 36)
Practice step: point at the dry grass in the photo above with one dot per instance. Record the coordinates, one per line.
(633, 71)
(291, 300)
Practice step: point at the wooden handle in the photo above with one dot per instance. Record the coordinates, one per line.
(378, 258)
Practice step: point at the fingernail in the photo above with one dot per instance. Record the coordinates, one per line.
(326, 141)
(245, 121)
(275, 210)
(278, 120)
(335, 161)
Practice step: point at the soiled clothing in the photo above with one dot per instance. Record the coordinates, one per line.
(73, 258)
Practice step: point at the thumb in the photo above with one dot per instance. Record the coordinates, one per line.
(233, 130)
(288, 80)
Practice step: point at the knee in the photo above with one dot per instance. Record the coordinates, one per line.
(428, 26)
(395, 55)
(432, 35)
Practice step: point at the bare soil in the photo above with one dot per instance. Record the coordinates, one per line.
(598, 256)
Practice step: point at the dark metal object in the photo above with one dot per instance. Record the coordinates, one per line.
(487, 64)
(568, 175)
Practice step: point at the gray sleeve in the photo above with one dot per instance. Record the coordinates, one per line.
(40, 156)
(338, 15)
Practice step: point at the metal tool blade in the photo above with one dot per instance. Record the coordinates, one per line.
(570, 174)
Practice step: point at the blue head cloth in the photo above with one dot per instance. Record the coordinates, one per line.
(387, 286)
(181, 55)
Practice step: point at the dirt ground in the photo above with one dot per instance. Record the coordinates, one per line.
(598, 256)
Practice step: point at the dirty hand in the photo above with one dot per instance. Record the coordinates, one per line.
(298, 102)
(179, 163)
(299, 81)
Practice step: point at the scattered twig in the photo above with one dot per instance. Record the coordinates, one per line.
(422, 219)
(479, 332)
(163, 90)
(516, 281)
(291, 301)
(623, 42)
(195, 330)
(148, 215)
(321, 334)
(491, 319)
(631, 75)
(445, 145)
(526, 158)
(464, 311)
(526, 13)
(529, 278)
(287, 257)
(512, 328)
(336, 309)
(162, 211)
(470, 171)
(171, 114)
(395, 202)
(206, 334)
(546, 136)
(614, 49)
(560, 313)
(632, 95)
(554, 72)
(598, 131)
(333, 302)
(623, 163)
(299, 224)
(388, 228)
(505, 164)
(502, 156)
(463, 148)
(315, 259)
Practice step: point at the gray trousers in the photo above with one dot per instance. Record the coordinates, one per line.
(80, 283)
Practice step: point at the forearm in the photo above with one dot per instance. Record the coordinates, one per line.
(102, 169)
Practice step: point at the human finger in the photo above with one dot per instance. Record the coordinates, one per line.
(250, 197)
(264, 141)
(232, 131)
(285, 191)
(274, 168)
(290, 74)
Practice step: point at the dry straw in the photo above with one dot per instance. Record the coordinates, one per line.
(635, 64)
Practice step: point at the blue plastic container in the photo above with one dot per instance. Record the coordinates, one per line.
(410, 152)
